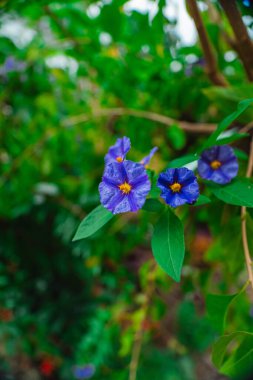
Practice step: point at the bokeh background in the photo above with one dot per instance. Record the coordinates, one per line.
(74, 76)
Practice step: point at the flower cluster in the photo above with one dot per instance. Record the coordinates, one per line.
(125, 184)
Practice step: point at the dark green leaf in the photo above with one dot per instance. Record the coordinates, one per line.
(240, 359)
(239, 192)
(153, 205)
(93, 222)
(168, 244)
(217, 306)
(202, 200)
(241, 154)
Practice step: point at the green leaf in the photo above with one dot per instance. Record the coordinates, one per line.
(153, 205)
(176, 136)
(224, 124)
(168, 244)
(217, 306)
(241, 154)
(239, 359)
(239, 192)
(93, 222)
(230, 139)
(182, 161)
(202, 200)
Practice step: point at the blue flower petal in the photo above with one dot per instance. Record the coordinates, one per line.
(145, 161)
(118, 150)
(189, 191)
(166, 178)
(230, 168)
(210, 155)
(184, 176)
(134, 171)
(84, 372)
(115, 174)
(229, 164)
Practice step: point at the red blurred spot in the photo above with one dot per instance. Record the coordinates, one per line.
(6, 315)
(47, 367)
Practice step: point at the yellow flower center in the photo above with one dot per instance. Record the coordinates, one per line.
(119, 159)
(215, 164)
(125, 188)
(175, 187)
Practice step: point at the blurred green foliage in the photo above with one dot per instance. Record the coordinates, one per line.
(61, 63)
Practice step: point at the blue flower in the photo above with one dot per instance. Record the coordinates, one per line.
(218, 164)
(118, 151)
(124, 187)
(145, 161)
(179, 186)
(247, 3)
(84, 372)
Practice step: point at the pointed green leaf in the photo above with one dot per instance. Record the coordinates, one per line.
(230, 139)
(168, 244)
(202, 200)
(241, 154)
(239, 359)
(217, 306)
(239, 192)
(224, 124)
(93, 222)
(153, 205)
(182, 161)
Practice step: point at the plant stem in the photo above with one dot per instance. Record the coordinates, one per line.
(243, 42)
(211, 63)
(133, 367)
(243, 218)
(162, 119)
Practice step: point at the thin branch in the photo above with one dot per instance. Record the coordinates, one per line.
(244, 44)
(63, 28)
(162, 119)
(216, 19)
(211, 63)
(244, 227)
(133, 367)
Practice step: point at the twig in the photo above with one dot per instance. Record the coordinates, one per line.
(243, 218)
(162, 119)
(216, 19)
(133, 367)
(63, 28)
(211, 63)
(135, 354)
(247, 127)
(243, 45)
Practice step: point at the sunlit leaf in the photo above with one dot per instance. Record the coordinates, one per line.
(93, 222)
(182, 161)
(239, 192)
